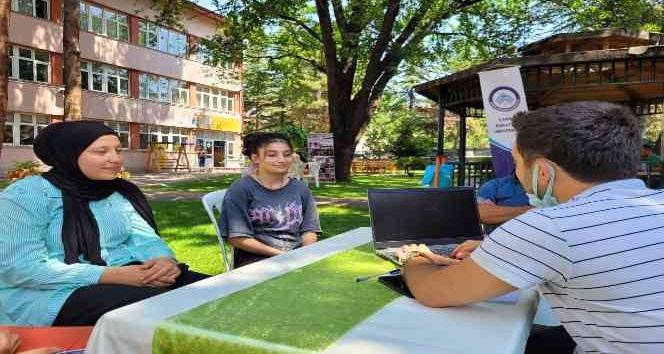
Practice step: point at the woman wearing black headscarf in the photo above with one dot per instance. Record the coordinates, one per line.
(77, 242)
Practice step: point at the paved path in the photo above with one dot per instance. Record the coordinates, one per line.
(196, 196)
(163, 179)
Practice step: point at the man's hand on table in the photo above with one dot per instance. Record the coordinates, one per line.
(465, 249)
(424, 251)
(435, 285)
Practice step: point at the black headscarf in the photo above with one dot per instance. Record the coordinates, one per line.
(59, 145)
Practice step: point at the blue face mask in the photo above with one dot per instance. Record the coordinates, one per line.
(548, 200)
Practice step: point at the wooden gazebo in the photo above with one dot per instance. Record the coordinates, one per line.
(609, 65)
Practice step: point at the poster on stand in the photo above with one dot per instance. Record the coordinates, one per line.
(321, 149)
(503, 96)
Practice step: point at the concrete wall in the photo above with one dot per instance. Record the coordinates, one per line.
(134, 160)
(45, 99)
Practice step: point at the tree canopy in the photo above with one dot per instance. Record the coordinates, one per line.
(358, 47)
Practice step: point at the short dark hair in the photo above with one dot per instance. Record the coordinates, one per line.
(592, 141)
(254, 141)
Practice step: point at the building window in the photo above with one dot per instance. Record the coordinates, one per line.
(171, 137)
(10, 50)
(84, 10)
(226, 101)
(122, 129)
(36, 8)
(163, 90)
(104, 78)
(230, 148)
(161, 38)
(177, 43)
(179, 137)
(96, 19)
(85, 75)
(164, 137)
(97, 77)
(158, 88)
(117, 80)
(204, 55)
(104, 21)
(23, 128)
(151, 134)
(147, 34)
(179, 92)
(218, 100)
(29, 64)
(9, 130)
(144, 136)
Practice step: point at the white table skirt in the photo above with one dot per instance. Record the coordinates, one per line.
(403, 326)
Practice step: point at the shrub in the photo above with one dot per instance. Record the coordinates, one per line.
(410, 163)
(124, 174)
(23, 169)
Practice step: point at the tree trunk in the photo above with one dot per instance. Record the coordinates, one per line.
(5, 6)
(72, 60)
(344, 151)
(346, 122)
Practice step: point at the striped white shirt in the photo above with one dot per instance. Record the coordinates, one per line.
(599, 261)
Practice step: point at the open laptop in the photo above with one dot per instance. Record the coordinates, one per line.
(441, 218)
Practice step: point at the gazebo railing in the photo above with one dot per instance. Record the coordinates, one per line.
(477, 172)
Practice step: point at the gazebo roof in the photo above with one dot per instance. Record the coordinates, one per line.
(607, 38)
(639, 49)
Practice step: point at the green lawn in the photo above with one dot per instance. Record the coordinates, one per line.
(362, 183)
(203, 185)
(355, 189)
(187, 229)
(3, 183)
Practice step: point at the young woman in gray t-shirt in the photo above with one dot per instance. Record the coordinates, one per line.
(266, 213)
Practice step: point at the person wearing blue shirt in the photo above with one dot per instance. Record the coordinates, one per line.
(504, 191)
(76, 241)
(500, 200)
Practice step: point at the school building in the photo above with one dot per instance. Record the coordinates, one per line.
(146, 81)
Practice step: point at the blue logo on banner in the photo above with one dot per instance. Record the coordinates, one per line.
(504, 99)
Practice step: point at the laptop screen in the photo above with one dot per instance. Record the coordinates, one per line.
(423, 214)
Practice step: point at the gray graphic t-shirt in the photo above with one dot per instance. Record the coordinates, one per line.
(278, 218)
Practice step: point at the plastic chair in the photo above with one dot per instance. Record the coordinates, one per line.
(211, 201)
(314, 172)
(296, 170)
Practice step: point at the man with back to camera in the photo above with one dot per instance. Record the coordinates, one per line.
(594, 246)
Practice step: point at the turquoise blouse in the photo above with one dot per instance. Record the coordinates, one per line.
(34, 280)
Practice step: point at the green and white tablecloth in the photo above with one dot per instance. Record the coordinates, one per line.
(307, 301)
(302, 311)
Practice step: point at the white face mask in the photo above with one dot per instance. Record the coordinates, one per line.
(548, 200)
